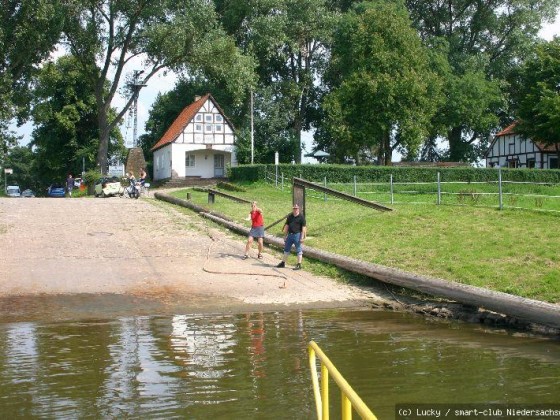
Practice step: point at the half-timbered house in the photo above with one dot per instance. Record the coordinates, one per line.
(511, 150)
(199, 143)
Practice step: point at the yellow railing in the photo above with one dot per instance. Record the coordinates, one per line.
(349, 398)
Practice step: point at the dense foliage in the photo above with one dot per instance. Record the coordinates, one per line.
(345, 173)
(431, 80)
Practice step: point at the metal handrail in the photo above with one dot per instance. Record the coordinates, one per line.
(349, 398)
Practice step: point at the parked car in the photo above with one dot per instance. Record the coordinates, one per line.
(28, 193)
(108, 187)
(56, 190)
(13, 191)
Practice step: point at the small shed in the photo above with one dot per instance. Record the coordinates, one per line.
(199, 143)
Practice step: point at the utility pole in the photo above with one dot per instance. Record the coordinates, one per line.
(252, 132)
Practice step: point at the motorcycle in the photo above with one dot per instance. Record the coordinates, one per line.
(133, 189)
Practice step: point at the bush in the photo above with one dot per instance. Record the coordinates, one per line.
(346, 174)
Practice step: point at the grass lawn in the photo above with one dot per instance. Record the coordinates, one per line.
(512, 251)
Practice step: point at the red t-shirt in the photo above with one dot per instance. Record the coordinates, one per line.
(256, 219)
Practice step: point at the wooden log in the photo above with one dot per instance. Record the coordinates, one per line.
(518, 307)
(226, 195)
(344, 196)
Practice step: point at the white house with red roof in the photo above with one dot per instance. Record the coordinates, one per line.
(511, 150)
(199, 143)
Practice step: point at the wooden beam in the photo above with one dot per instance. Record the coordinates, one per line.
(344, 196)
(231, 197)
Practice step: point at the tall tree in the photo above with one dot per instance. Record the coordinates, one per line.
(29, 31)
(383, 91)
(290, 40)
(485, 40)
(539, 96)
(166, 34)
(65, 115)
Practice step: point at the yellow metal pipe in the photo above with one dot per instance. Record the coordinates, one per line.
(326, 365)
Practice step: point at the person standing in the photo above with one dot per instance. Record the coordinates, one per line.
(69, 185)
(295, 231)
(257, 230)
(143, 176)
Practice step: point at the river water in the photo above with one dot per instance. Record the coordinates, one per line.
(255, 365)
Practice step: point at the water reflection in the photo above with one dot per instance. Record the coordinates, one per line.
(254, 365)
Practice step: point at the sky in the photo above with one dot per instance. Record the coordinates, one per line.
(161, 83)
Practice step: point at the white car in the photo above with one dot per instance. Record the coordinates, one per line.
(13, 191)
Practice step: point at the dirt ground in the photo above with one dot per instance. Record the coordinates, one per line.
(72, 258)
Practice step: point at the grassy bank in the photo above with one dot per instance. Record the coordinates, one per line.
(510, 251)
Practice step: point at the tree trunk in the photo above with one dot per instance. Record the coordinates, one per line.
(456, 146)
(387, 149)
(102, 152)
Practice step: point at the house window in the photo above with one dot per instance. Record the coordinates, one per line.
(208, 128)
(198, 128)
(511, 148)
(218, 118)
(208, 118)
(553, 163)
(218, 128)
(512, 164)
(531, 163)
(189, 161)
(198, 117)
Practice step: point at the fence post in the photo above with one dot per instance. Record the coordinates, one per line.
(438, 189)
(276, 179)
(325, 194)
(355, 187)
(391, 182)
(282, 173)
(501, 198)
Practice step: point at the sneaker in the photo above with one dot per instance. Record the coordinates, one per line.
(260, 257)
(281, 265)
(245, 257)
(297, 267)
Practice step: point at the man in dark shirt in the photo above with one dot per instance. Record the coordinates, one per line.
(295, 232)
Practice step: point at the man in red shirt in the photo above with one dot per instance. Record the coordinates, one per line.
(257, 230)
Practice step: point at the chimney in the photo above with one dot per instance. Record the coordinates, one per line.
(197, 97)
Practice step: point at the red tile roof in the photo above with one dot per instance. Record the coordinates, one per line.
(181, 122)
(510, 129)
(543, 147)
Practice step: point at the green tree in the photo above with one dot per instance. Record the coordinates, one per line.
(539, 95)
(484, 42)
(290, 39)
(65, 116)
(179, 35)
(383, 91)
(21, 159)
(29, 31)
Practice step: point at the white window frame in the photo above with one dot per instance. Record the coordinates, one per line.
(198, 117)
(218, 118)
(190, 160)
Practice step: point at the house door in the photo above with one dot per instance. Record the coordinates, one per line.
(218, 166)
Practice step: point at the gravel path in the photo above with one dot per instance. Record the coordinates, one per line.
(64, 258)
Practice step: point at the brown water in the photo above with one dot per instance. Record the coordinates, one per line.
(255, 365)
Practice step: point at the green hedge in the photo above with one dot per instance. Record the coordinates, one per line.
(345, 173)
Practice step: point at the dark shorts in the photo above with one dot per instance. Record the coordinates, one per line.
(257, 232)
